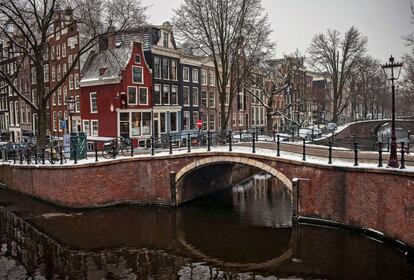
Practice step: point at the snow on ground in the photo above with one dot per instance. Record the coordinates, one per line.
(297, 157)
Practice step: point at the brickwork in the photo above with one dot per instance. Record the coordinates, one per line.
(381, 199)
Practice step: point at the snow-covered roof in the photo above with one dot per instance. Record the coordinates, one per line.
(106, 64)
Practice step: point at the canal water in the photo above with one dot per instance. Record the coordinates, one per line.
(242, 233)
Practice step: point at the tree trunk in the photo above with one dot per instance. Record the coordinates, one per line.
(42, 126)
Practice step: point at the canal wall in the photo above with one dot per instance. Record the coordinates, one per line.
(365, 198)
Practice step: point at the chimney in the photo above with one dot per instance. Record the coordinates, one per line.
(107, 40)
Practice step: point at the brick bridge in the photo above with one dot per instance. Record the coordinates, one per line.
(380, 199)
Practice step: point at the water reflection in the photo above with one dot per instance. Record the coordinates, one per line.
(243, 233)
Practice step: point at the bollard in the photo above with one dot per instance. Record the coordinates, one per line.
(35, 155)
(356, 153)
(75, 155)
(96, 152)
(330, 153)
(304, 151)
(241, 135)
(132, 148)
(208, 141)
(170, 143)
(254, 143)
(61, 155)
(43, 155)
(230, 144)
(274, 135)
(402, 165)
(380, 154)
(278, 146)
(188, 143)
(152, 145)
(312, 135)
(257, 134)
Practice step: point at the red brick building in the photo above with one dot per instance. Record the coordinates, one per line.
(116, 93)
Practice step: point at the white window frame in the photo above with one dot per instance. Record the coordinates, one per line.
(139, 96)
(136, 95)
(142, 74)
(87, 131)
(194, 76)
(90, 102)
(186, 69)
(93, 132)
(46, 73)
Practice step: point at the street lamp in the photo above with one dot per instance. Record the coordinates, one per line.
(392, 71)
(71, 108)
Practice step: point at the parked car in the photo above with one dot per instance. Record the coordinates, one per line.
(331, 126)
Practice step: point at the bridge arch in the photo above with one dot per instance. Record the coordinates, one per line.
(237, 160)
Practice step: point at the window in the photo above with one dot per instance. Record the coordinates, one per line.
(166, 94)
(46, 54)
(166, 39)
(70, 81)
(46, 73)
(143, 96)
(157, 94)
(63, 50)
(186, 74)
(93, 102)
(212, 99)
(165, 68)
(241, 118)
(64, 69)
(212, 123)
(186, 96)
(76, 80)
(157, 67)
(203, 76)
(33, 76)
(135, 124)
(58, 52)
(211, 78)
(70, 60)
(77, 104)
(196, 117)
(174, 95)
(234, 119)
(58, 72)
(54, 121)
(204, 98)
(163, 125)
(132, 96)
(86, 127)
(173, 69)
(186, 123)
(195, 96)
(137, 59)
(173, 122)
(241, 101)
(195, 75)
(59, 96)
(52, 52)
(53, 74)
(65, 94)
(137, 75)
(94, 127)
(227, 101)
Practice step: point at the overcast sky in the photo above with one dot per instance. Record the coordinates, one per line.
(294, 22)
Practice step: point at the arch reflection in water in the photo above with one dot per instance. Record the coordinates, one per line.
(225, 236)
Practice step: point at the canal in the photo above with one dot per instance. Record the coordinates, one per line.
(244, 232)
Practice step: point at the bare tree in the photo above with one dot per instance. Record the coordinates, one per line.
(234, 33)
(30, 24)
(337, 57)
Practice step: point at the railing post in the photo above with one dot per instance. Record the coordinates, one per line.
(188, 143)
(75, 156)
(278, 146)
(113, 149)
(230, 140)
(170, 143)
(28, 156)
(208, 140)
(380, 154)
(356, 153)
(96, 152)
(304, 150)
(14, 156)
(21, 155)
(254, 143)
(132, 148)
(312, 135)
(52, 159)
(43, 155)
(152, 145)
(35, 155)
(402, 165)
(274, 135)
(60, 154)
(257, 134)
(330, 153)
(241, 134)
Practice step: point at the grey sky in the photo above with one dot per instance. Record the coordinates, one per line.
(296, 21)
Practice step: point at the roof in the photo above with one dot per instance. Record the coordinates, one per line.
(106, 65)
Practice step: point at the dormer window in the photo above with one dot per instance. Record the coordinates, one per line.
(102, 71)
(137, 59)
(165, 40)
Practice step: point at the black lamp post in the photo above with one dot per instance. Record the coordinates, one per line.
(392, 71)
(71, 108)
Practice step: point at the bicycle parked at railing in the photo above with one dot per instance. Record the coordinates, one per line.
(122, 145)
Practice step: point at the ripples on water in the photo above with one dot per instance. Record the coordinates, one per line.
(242, 233)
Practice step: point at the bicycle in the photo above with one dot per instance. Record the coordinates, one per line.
(111, 150)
